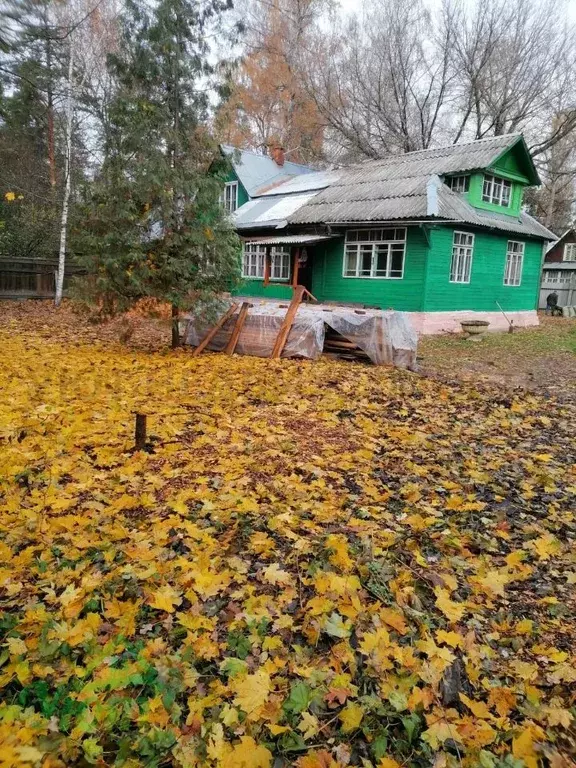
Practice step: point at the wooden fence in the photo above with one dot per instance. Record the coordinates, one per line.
(31, 278)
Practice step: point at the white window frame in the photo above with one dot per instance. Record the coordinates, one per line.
(569, 253)
(374, 243)
(462, 254)
(514, 263)
(459, 184)
(254, 262)
(229, 196)
(493, 191)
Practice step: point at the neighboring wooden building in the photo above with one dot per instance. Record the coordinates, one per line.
(559, 271)
(438, 233)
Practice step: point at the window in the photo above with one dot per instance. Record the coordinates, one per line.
(375, 253)
(254, 259)
(458, 183)
(496, 191)
(570, 252)
(280, 264)
(556, 277)
(514, 259)
(461, 266)
(229, 197)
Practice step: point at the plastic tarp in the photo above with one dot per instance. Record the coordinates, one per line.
(386, 336)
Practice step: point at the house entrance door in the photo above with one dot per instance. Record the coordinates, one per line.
(304, 260)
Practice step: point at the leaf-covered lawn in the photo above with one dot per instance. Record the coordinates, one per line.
(538, 359)
(317, 564)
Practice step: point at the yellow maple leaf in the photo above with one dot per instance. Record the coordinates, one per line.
(524, 627)
(165, 598)
(478, 708)
(453, 639)
(439, 732)
(308, 725)
(252, 692)
(394, 619)
(339, 557)
(524, 669)
(388, 762)
(523, 748)
(546, 546)
(452, 610)
(493, 582)
(247, 754)
(351, 716)
(273, 574)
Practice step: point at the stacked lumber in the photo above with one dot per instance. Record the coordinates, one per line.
(336, 345)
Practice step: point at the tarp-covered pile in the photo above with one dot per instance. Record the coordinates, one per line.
(386, 336)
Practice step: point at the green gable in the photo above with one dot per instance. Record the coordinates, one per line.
(242, 194)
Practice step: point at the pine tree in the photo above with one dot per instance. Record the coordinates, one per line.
(153, 225)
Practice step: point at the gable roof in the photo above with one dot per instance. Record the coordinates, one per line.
(560, 240)
(259, 173)
(409, 187)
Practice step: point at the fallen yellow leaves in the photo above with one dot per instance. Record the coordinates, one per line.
(319, 565)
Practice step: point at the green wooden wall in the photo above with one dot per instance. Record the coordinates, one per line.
(426, 285)
(242, 194)
(486, 285)
(403, 294)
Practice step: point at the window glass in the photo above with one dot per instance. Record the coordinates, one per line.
(461, 264)
(375, 253)
(496, 191)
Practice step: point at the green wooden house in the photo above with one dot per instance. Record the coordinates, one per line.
(438, 233)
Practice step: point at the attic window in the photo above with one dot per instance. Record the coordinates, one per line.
(229, 197)
(496, 191)
(569, 252)
(458, 184)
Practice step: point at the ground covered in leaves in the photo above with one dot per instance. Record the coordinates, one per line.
(540, 359)
(316, 565)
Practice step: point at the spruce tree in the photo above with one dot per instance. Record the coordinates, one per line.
(153, 225)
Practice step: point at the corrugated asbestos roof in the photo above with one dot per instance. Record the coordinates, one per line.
(395, 188)
(260, 171)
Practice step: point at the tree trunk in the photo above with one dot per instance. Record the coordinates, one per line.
(175, 328)
(67, 169)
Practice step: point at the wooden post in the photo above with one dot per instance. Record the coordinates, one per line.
(175, 327)
(287, 323)
(140, 432)
(295, 268)
(213, 331)
(267, 265)
(231, 346)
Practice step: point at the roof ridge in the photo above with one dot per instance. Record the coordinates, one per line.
(392, 157)
(259, 154)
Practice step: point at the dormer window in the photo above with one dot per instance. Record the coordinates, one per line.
(458, 184)
(229, 197)
(570, 252)
(496, 191)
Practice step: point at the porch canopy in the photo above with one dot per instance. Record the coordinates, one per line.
(288, 239)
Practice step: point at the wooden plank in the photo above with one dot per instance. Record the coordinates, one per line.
(231, 346)
(267, 265)
(213, 331)
(287, 323)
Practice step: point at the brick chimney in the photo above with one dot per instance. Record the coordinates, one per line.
(277, 154)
